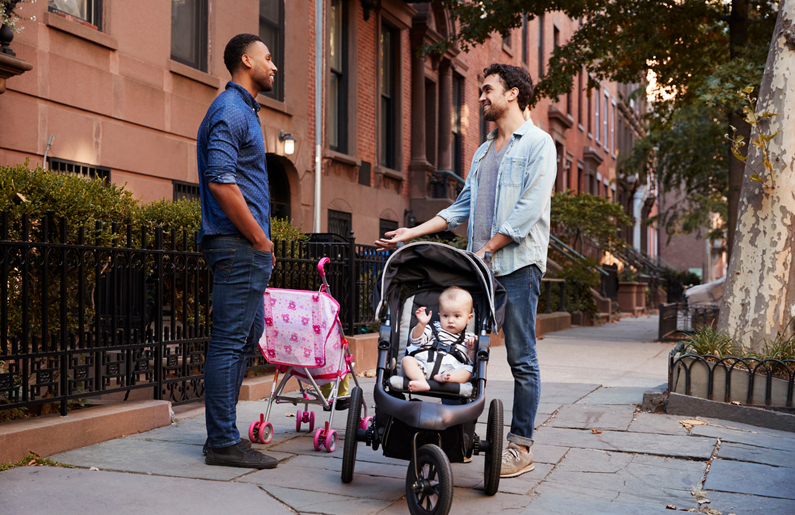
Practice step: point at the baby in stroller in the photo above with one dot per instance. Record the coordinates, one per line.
(443, 351)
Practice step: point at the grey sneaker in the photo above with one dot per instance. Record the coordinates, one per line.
(515, 461)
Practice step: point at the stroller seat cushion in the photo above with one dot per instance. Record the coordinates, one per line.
(401, 384)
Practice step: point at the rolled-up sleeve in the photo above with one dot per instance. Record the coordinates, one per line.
(541, 169)
(225, 134)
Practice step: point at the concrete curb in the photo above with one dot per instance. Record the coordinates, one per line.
(52, 434)
(679, 404)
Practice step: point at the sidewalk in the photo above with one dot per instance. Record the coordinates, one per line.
(595, 453)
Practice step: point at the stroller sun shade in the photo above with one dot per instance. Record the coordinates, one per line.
(429, 265)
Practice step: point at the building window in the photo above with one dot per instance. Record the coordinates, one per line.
(613, 128)
(541, 56)
(589, 110)
(338, 64)
(339, 222)
(597, 127)
(385, 226)
(524, 38)
(605, 116)
(579, 100)
(388, 86)
(189, 33)
(271, 32)
(87, 10)
(81, 169)
(186, 190)
(458, 138)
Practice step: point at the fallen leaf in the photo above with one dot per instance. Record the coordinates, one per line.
(596, 431)
(703, 501)
(94, 469)
(670, 507)
(369, 373)
(539, 337)
(736, 403)
(692, 422)
(289, 414)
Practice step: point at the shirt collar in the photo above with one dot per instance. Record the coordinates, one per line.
(518, 132)
(244, 94)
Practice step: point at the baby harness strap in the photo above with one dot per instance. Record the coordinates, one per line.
(436, 350)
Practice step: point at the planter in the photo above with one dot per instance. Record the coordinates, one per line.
(632, 297)
(732, 379)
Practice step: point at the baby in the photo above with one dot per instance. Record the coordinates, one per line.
(455, 312)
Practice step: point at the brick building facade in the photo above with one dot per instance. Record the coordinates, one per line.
(123, 86)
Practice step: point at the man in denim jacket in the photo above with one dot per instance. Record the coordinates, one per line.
(507, 201)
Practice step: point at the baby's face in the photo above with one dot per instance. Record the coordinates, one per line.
(454, 316)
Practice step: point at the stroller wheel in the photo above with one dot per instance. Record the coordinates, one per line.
(331, 441)
(432, 492)
(265, 433)
(494, 430)
(350, 444)
(299, 417)
(319, 437)
(311, 421)
(253, 431)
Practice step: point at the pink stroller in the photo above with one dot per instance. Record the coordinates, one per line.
(304, 337)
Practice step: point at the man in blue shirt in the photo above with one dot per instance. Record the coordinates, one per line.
(507, 201)
(234, 236)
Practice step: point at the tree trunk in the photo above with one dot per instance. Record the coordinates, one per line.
(759, 298)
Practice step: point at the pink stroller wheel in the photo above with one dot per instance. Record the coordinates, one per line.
(364, 423)
(318, 440)
(253, 431)
(265, 432)
(311, 421)
(299, 417)
(331, 441)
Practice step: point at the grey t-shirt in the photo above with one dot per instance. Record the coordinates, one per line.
(487, 189)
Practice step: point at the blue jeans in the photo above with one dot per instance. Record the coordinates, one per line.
(519, 326)
(240, 276)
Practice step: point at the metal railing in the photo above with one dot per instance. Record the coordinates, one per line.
(748, 380)
(106, 310)
(680, 318)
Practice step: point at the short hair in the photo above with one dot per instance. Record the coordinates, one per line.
(237, 46)
(513, 77)
(456, 294)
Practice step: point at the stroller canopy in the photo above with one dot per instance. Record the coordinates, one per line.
(429, 265)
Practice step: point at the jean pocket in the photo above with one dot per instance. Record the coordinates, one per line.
(220, 262)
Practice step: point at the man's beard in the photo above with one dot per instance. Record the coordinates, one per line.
(492, 113)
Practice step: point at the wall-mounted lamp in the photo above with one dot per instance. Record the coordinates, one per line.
(411, 220)
(289, 142)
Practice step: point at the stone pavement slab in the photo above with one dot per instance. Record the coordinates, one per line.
(157, 458)
(658, 423)
(467, 501)
(307, 501)
(564, 393)
(594, 416)
(737, 426)
(750, 504)
(741, 452)
(785, 442)
(615, 395)
(548, 453)
(660, 445)
(524, 484)
(751, 478)
(566, 498)
(554, 503)
(51, 490)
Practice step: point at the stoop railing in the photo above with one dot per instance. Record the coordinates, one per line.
(107, 310)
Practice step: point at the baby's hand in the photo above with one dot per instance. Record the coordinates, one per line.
(470, 342)
(422, 316)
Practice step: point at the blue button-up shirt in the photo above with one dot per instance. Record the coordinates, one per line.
(521, 209)
(231, 150)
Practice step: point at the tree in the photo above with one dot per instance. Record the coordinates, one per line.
(759, 295)
(588, 216)
(699, 51)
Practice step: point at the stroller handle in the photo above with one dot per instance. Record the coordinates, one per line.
(322, 263)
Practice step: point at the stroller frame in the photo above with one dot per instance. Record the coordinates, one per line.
(324, 438)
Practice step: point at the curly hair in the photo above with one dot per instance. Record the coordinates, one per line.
(235, 49)
(513, 77)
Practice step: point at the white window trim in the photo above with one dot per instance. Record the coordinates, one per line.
(605, 123)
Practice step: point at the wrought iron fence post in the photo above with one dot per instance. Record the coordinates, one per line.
(353, 307)
(158, 308)
(64, 320)
(548, 288)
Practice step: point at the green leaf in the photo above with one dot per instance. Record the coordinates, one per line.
(748, 89)
(768, 138)
(756, 178)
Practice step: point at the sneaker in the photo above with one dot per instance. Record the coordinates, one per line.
(515, 461)
(239, 455)
(207, 447)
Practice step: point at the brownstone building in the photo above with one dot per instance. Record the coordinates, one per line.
(122, 87)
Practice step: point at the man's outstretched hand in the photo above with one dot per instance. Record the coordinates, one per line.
(392, 238)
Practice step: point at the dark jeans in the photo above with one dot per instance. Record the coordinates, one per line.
(523, 288)
(240, 276)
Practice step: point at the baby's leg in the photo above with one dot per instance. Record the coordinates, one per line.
(456, 376)
(412, 370)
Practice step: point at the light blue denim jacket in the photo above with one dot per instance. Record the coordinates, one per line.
(521, 209)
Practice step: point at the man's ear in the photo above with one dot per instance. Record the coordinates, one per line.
(513, 94)
(246, 61)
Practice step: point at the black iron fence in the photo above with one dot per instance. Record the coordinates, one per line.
(107, 310)
(747, 380)
(680, 317)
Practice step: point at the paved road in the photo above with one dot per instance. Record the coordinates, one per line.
(595, 454)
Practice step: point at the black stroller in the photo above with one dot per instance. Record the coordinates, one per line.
(429, 434)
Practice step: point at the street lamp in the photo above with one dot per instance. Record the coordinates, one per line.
(289, 142)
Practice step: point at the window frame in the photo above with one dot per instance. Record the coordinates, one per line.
(340, 124)
(96, 17)
(186, 190)
(605, 123)
(342, 217)
(277, 93)
(66, 167)
(458, 94)
(388, 119)
(202, 39)
(541, 55)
